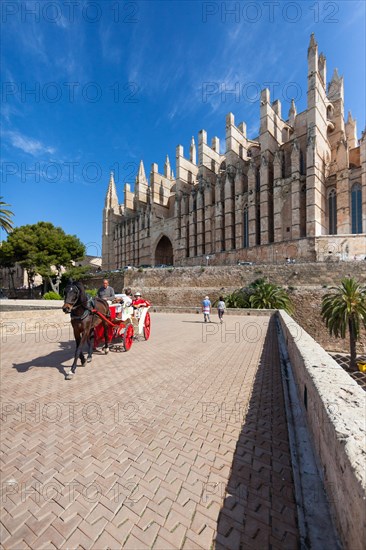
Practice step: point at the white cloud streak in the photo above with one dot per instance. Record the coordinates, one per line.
(28, 145)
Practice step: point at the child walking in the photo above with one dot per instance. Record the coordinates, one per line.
(221, 308)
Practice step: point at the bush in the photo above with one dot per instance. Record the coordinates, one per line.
(52, 296)
(91, 292)
(140, 270)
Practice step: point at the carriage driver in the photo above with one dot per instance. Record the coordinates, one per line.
(106, 292)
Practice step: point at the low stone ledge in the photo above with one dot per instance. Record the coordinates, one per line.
(334, 406)
(28, 305)
(198, 310)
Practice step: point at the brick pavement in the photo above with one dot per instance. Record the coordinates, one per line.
(179, 443)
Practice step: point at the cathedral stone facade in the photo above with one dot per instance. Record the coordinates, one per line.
(296, 191)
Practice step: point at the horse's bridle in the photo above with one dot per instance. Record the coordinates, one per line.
(77, 296)
(87, 311)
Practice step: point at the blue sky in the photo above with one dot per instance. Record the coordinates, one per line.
(90, 86)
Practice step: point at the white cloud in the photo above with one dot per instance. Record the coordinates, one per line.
(27, 144)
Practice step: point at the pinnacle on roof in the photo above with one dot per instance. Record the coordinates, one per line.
(335, 76)
(313, 46)
(313, 43)
(141, 176)
(167, 169)
(192, 152)
(111, 199)
(350, 119)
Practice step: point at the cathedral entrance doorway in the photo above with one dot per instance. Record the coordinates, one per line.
(164, 252)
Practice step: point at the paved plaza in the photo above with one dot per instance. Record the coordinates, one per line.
(179, 443)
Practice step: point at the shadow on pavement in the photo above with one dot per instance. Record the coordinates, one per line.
(259, 510)
(52, 360)
(202, 322)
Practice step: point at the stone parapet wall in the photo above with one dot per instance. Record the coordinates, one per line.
(334, 407)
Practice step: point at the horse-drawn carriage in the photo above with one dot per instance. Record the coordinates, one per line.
(115, 326)
(134, 324)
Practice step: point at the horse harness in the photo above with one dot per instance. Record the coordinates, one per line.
(89, 308)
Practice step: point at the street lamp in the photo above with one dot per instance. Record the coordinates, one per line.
(207, 260)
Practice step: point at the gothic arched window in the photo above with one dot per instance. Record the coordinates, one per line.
(356, 208)
(332, 212)
(245, 228)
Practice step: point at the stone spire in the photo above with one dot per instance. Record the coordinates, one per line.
(141, 185)
(351, 131)
(192, 152)
(312, 44)
(312, 56)
(167, 168)
(322, 62)
(110, 213)
(335, 89)
(111, 199)
(292, 113)
(141, 176)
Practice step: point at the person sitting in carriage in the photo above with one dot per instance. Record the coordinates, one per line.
(128, 292)
(139, 313)
(138, 301)
(123, 306)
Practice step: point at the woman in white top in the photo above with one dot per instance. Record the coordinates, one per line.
(221, 308)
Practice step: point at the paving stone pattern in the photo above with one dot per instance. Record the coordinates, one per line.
(344, 361)
(179, 443)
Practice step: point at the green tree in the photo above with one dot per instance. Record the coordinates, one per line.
(7, 261)
(6, 222)
(45, 249)
(345, 308)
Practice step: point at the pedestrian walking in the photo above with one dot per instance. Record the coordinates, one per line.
(206, 309)
(221, 308)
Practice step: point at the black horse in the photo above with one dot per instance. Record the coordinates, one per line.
(83, 321)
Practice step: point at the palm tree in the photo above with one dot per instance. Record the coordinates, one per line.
(346, 308)
(237, 299)
(6, 222)
(270, 296)
(260, 295)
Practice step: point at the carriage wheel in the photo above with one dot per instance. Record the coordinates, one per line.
(128, 337)
(147, 326)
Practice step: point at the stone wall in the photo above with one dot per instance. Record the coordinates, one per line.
(234, 276)
(334, 407)
(307, 313)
